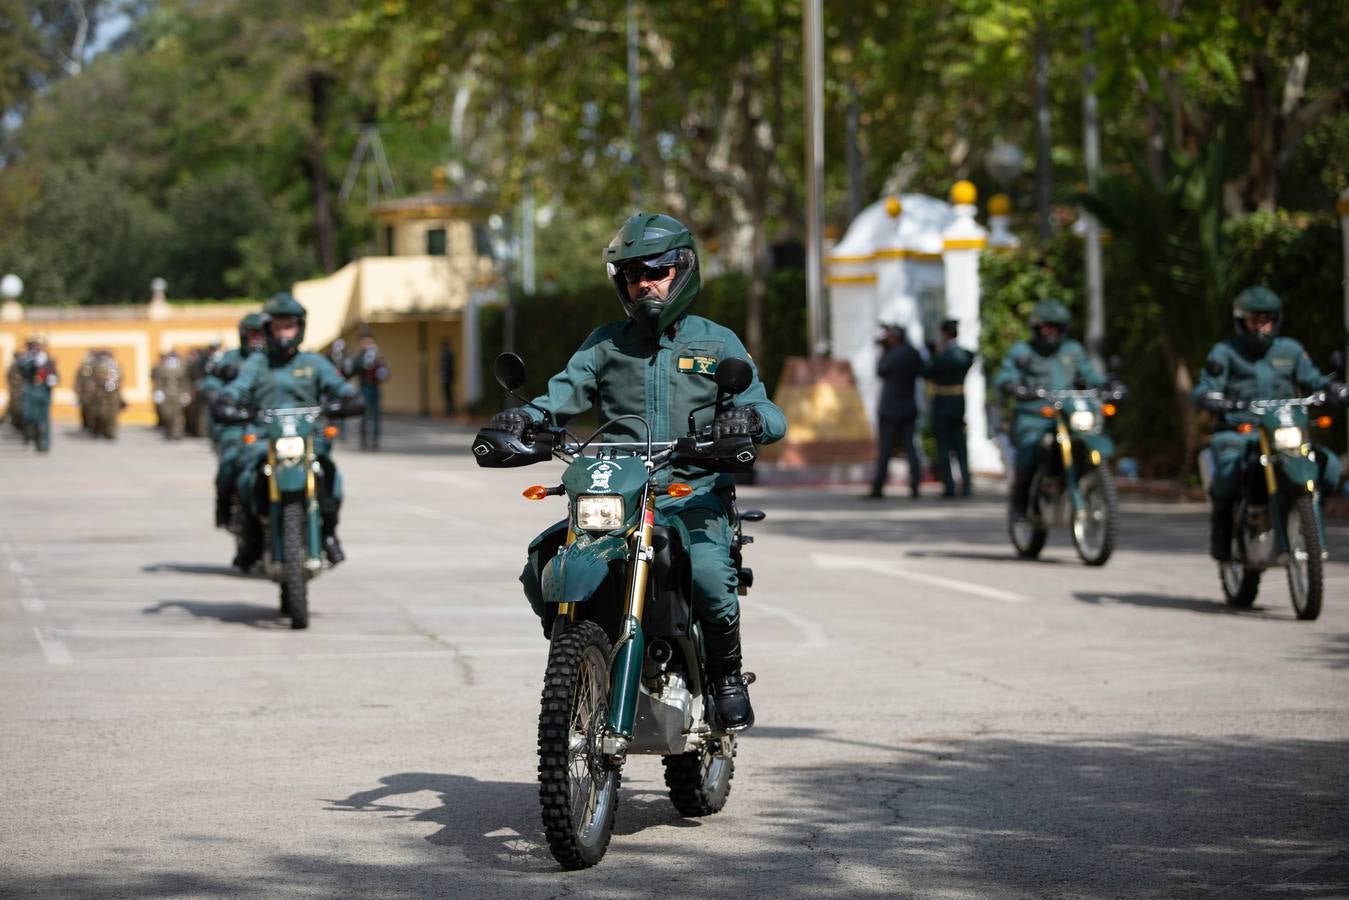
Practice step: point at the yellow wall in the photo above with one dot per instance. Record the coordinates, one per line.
(412, 350)
(136, 341)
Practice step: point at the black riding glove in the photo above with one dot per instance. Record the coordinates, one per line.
(343, 407)
(515, 420)
(227, 412)
(737, 421)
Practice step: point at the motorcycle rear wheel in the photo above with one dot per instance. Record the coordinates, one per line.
(294, 584)
(1096, 524)
(700, 780)
(1305, 565)
(578, 786)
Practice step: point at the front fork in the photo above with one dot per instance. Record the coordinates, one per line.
(1279, 515)
(312, 514)
(1065, 443)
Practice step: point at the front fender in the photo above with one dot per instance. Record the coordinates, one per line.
(1100, 442)
(290, 478)
(1298, 470)
(573, 575)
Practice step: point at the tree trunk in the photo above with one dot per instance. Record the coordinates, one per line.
(1182, 383)
(315, 167)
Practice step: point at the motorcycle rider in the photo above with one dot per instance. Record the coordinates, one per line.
(658, 364)
(228, 438)
(1254, 364)
(171, 393)
(1049, 361)
(284, 376)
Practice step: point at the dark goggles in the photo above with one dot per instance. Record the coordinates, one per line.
(653, 268)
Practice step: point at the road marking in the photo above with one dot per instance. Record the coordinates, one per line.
(809, 628)
(56, 652)
(884, 567)
(28, 595)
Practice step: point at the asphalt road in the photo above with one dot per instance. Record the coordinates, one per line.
(936, 719)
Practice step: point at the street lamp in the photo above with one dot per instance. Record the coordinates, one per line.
(11, 287)
(1004, 163)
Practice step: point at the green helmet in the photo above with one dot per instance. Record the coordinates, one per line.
(1256, 300)
(649, 243)
(1048, 312)
(251, 322)
(283, 304)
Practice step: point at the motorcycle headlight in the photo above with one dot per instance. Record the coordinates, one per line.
(1082, 420)
(1288, 438)
(599, 513)
(290, 448)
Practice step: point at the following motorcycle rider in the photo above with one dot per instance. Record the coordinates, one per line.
(658, 363)
(285, 377)
(228, 438)
(1254, 364)
(1049, 361)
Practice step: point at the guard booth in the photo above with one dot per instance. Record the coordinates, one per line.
(913, 260)
(437, 270)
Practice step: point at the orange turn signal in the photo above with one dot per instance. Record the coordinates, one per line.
(679, 489)
(1324, 421)
(1109, 409)
(330, 431)
(250, 438)
(1047, 412)
(1246, 427)
(535, 492)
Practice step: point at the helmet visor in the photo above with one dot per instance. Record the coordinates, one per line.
(653, 268)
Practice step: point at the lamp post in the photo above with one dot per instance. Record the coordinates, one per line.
(1342, 207)
(1004, 163)
(11, 289)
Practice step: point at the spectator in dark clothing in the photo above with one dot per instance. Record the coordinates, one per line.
(447, 365)
(900, 366)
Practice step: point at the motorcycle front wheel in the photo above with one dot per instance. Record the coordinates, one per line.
(294, 584)
(1028, 534)
(1305, 563)
(578, 786)
(1095, 524)
(700, 780)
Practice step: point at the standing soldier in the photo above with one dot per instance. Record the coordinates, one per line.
(945, 372)
(171, 393)
(371, 370)
(229, 439)
(899, 368)
(84, 397)
(14, 410)
(447, 369)
(39, 377)
(105, 393)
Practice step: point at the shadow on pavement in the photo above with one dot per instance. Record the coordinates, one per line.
(1009, 556)
(234, 613)
(1270, 610)
(1133, 815)
(194, 569)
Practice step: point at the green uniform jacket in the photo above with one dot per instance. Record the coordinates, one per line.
(948, 368)
(1067, 368)
(303, 380)
(1285, 370)
(623, 370)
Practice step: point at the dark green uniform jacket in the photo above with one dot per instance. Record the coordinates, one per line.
(621, 370)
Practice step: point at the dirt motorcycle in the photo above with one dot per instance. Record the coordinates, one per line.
(286, 503)
(1277, 518)
(1072, 485)
(626, 666)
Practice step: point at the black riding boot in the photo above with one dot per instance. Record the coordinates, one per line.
(730, 690)
(1220, 531)
(1021, 495)
(250, 545)
(332, 547)
(222, 507)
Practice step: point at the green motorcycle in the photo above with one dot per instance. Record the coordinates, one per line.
(286, 501)
(1277, 517)
(626, 670)
(1072, 485)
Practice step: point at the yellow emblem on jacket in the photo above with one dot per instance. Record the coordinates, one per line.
(697, 365)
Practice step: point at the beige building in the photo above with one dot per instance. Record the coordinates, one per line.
(438, 272)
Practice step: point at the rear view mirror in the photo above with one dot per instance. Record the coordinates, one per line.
(734, 375)
(509, 370)
(1337, 364)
